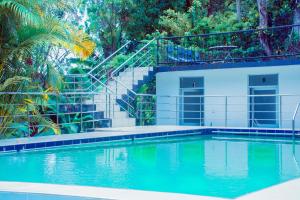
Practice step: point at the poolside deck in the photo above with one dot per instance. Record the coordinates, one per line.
(93, 193)
(100, 133)
(288, 190)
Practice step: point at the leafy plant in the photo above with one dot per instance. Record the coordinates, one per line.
(30, 32)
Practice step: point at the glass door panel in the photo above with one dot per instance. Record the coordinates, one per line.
(263, 107)
(192, 107)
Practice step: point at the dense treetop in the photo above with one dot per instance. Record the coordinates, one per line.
(112, 21)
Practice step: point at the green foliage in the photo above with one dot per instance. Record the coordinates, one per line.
(30, 34)
(20, 113)
(171, 19)
(206, 16)
(146, 104)
(111, 22)
(118, 60)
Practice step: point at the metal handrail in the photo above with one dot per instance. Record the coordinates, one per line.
(195, 49)
(294, 118)
(231, 32)
(121, 83)
(97, 81)
(154, 107)
(109, 57)
(114, 73)
(113, 93)
(131, 57)
(130, 91)
(98, 65)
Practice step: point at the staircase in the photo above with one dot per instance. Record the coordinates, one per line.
(113, 88)
(97, 118)
(117, 105)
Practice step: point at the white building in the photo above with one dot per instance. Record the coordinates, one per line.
(260, 94)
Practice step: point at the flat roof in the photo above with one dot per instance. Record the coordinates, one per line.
(220, 65)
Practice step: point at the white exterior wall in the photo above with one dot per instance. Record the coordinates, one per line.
(227, 82)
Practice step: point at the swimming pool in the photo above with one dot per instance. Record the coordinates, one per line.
(221, 166)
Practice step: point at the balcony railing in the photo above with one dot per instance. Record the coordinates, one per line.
(281, 42)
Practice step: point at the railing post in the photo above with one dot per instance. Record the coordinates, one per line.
(74, 84)
(81, 84)
(293, 128)
(109, 106)
(128, 102)
(113, 105)
(157, 51)
(200, 112)
(141, 114)
(57, 110)
(176, 110)
(116, 88)
(226, 111)
(28, 119)
(94, 110)
(280, 111)
(81, 115)
(106, 104)
(294, 120)
(132, 75)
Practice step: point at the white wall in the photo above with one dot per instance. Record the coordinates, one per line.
(227, 82)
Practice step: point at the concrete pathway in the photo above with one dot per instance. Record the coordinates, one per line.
(95, 192)
(285, 191)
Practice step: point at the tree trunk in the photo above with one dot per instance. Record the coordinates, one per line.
(296, 18)
(238, 10)
(263, 23)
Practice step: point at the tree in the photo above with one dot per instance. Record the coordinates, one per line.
(297, 12)
(105, 22)
(263, 23)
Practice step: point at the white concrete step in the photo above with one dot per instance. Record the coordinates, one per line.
(138, 72)
(117, 122)
(119, 87)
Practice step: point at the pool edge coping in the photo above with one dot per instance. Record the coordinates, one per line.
(119, 134)
(96, 192)
(286, 190)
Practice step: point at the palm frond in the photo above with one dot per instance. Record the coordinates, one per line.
(54, 78)
(14, 8)
(16, 81)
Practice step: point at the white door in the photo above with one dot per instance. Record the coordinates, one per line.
(264, 107)
(192, 107)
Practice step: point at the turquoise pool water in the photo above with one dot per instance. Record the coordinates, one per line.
(211, 166)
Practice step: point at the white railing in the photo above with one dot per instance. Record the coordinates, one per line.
(217, 110)
(77, 112)
(108, 58)
(104, 72)
(294, 118)
(97, 78)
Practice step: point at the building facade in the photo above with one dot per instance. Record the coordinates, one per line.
(260, 94)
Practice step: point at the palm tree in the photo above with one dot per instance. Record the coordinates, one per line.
(29, 31)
